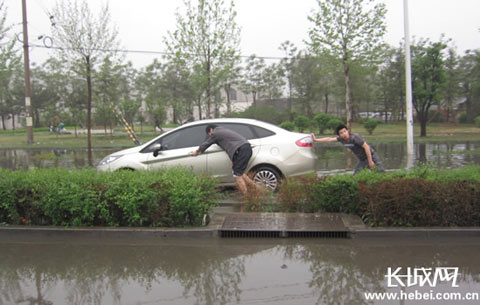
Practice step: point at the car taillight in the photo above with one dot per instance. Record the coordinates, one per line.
(305, 142)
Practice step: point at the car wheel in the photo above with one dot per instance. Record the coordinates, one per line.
(266, 176)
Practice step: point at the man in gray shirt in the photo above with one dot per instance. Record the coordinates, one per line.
(237, 148)
(367, 157)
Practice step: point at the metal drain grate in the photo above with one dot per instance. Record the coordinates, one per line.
(249, 234)
(318, 234)
(281, 234)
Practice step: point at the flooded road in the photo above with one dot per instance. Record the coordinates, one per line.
(227, 271)
(331, 157)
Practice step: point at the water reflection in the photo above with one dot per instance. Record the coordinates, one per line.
(22, 159)
(219, 271)
(331, 157)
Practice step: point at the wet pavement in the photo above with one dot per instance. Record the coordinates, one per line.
(183, 271)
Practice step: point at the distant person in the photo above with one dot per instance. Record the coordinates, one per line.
(367, 157)
(237, 148)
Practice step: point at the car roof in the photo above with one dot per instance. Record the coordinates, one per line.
(259, 123)
(235, 120)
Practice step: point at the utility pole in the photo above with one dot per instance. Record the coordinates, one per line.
(28, 90)
(408, 87)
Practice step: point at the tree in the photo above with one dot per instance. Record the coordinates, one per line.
(390, 83)
(428, 79)
(129, 109)
(207, 40)
(288, 63)
(177, 91)
(470, 83)
(306, 83)
(349, 31)
(9, 65)
(452, 87)
(149, 82)
(107, 93)
(83, 41)
(253, 81)
(273, 82)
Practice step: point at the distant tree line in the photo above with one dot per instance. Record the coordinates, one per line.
(336, 74)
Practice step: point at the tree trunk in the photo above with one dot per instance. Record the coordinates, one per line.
(290, 113)
(13, 121)
(89, 111)
(326, 100)
(209, 98)
(229, 103)
(199, 108)
(348, 103)
(3, 123)
(423, 124)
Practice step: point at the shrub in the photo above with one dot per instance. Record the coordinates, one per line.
(477, 121)
(463, 118)
(293, 194)
(370, 125)
(174, 197)
(290, 126)
(302, 122)
(321, 121)
(418, 197)
(417, 202)
(333, 123)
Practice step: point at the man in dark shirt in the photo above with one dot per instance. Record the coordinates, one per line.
(367, 157)
(237, 148)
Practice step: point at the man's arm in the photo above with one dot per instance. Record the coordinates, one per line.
(206, 144)
(324, 139)
(368, 152)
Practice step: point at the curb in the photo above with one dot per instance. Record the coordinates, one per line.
(419, 233)
(354, 228)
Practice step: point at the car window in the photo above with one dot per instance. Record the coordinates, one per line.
(262, 132)
(248, 131)
(243, 129)
(186, 137)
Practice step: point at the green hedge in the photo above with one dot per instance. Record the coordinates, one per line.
(174, 197)
(419, 197)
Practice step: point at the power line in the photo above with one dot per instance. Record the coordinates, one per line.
(150, 52)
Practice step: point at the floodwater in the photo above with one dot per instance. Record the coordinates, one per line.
(233, 271)
(331, 157)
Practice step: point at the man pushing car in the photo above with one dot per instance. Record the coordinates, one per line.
(237, 148)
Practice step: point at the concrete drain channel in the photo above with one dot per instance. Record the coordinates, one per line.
(283, 225)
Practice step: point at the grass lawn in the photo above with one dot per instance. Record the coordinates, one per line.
(436, 132)
(46, 139)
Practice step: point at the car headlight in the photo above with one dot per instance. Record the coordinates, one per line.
(109, 159)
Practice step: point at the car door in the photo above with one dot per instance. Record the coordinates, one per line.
(176, 147)
(218, 163)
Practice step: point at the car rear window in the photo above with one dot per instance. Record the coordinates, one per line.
(262, 132)
(248, 131)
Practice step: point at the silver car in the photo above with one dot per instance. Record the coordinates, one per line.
(277, 153)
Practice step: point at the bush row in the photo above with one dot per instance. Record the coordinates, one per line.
(419, 197)
(174, 197)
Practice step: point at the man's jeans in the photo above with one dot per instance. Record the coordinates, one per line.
(364, 164)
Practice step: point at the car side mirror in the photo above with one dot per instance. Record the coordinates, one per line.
(156, 149)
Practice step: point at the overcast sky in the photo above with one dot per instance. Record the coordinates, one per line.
(265, 24)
